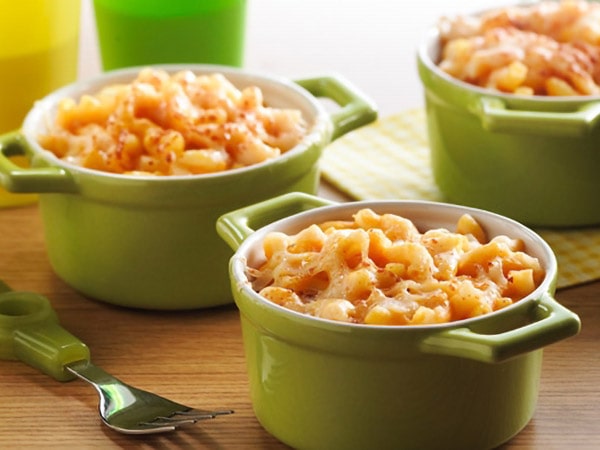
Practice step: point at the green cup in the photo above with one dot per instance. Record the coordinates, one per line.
(143, 32)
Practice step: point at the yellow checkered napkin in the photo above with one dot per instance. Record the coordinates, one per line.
(390, 160)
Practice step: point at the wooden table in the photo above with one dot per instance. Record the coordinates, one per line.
(196, 357)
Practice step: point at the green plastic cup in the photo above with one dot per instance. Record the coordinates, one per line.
(143, 32)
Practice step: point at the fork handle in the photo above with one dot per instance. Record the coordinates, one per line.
(30, 332)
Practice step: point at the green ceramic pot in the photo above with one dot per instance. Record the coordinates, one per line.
(150, 242)
(534, 159)
(320, 384)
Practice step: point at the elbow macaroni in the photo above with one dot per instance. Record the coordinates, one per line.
(380, 270)
(178, 124)
(546, 48)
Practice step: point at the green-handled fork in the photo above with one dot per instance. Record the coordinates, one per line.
(30, 332)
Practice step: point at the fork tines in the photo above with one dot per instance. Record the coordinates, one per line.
(202, 414)
(184, 417)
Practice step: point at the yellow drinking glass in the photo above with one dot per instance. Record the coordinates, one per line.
(39, 44)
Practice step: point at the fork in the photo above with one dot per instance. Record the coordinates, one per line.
(30, 332)
(130, 410)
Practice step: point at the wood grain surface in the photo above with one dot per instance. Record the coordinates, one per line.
(197, 358)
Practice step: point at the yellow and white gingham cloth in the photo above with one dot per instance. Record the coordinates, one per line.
(390, 160)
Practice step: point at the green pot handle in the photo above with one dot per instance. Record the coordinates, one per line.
(356, 109)
(550, 322)
(30, 332)
(30, 179)
(234, 227)
(495, 116)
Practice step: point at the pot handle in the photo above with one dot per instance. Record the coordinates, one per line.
(234, 227)
(550, 323)
(495, 116)
(29, 179)
(357, 110)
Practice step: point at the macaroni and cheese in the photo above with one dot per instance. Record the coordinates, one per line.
(381, 270)
(546, 48)
(177, 124)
